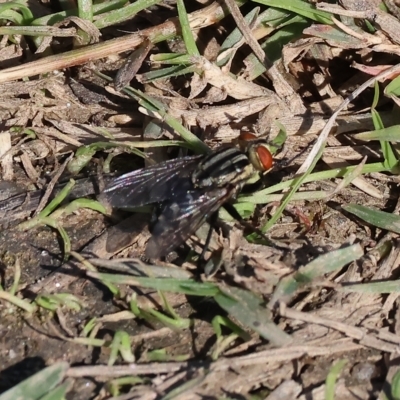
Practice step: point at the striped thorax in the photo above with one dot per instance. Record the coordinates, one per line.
(228, 166)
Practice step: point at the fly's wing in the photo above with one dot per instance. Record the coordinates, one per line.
(181, 217)
(150, 185)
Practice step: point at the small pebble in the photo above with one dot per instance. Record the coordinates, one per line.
(363, 371)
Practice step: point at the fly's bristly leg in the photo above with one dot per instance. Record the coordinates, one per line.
(285, 162)
(212, 222)
(231, 210)
(250, 188)
(270, 242)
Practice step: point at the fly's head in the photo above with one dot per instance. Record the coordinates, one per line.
(258, 152)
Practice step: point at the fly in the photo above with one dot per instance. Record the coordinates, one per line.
(189, 190)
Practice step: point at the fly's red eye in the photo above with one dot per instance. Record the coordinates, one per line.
(261, 157)
(265, 157)
(245, 139)
(247, 136)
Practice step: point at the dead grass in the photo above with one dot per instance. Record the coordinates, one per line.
(315, 317)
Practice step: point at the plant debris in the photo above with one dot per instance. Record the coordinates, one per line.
(93, 92)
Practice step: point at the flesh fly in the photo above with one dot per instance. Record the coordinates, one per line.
(190, 190)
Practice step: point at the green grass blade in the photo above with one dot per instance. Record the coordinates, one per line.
(393, 88)
(395, 386)
(85, 10)
(57, 200)
(332, 378)
(391, 134)
(13, 5)
(259, 197)
(39, 384)
(299, 7)
(187, 33)
(251, 311)
(98, 9)
(58, 393)
(185, 286)
(380, 219)
(322, 265)
(124, 13)
(372, 287)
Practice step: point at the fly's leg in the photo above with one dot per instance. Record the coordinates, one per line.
(284, 162)
(235, 215)
(253, 187)
(212, 221)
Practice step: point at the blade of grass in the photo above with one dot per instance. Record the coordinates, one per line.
(17, 277)
(120, 344)
(390, 134)
(187, 33)
(85, 10)
(251, 311)
(331, 379)
(37, 31)
(124, 13)
(58, 393)
(169, 72)
(388, 153)
(299, 7)
(258, 197)
(12, 16)
(395, 386)
(23, 9)
(372, 287)
(170, 58)
(393, 87)
(380, 219)
(39, 384)
(188, 386)
(17, 301)
(114, 386)
(186, 286)
(98, 9)
(63, 233)
(137, 267)
(57, 200)
(322, 265)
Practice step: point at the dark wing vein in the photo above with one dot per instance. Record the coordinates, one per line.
(181, 217)
(150, 185)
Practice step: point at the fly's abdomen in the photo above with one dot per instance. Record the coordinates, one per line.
(227, 166)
